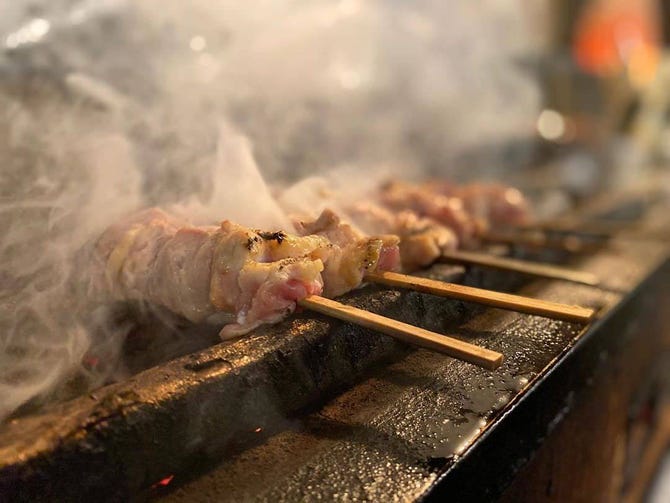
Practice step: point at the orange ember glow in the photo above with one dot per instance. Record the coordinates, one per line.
(616, 35)
(90, 361)
(163, 482)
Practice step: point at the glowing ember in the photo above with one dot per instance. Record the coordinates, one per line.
(611, 36)
(163, 482)
(90, 361)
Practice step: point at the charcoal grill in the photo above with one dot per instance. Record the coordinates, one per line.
(314, 408)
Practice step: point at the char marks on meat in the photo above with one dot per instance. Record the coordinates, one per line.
(259, 276)
(494, 203)
(422, 240)
(448, 211)
(352, 254)
(198, 271)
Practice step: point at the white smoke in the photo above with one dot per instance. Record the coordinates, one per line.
(64, 178)
(109, 105)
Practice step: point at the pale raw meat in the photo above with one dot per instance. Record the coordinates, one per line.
(422, 240)
(448, 211)
(352, 254)
(198, 271)
(495, 203)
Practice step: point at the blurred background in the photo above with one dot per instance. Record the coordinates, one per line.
(567, 95)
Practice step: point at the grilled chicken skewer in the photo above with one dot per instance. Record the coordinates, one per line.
(352, 254)
(429, 218)
(434, 220)
(255, 276)
(422, 240)
(469, 210)
(425, 241)
(196, 272)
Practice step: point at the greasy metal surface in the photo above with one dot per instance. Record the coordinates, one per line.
(560, 389)
(240, 404)
(393, 435)
(126, 436)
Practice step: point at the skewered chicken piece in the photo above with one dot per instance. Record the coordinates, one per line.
(469, 210)
(257, 277)
(429, 219)
(494, 203)
(352, 254)
(198, 271)
(422, 240)
(448, 211)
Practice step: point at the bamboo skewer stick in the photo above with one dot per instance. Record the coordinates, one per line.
(521, 266)
(603, 233)
(572, 244)
(575, 314)
(407, 333)
(569, 242)
(600, 228)
(631, 235)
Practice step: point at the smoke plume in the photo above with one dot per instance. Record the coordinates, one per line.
(108, 106)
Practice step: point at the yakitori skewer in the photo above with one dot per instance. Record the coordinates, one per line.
(572, 244)
(596, 233)
(575, 314)
(520, 266)
(407, 333)
(252, 276)
(596, 228)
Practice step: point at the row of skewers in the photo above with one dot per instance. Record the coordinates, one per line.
(244, 277)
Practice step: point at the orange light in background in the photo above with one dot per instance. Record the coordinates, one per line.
(616, 35)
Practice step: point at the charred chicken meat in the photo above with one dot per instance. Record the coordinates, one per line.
(257, 277)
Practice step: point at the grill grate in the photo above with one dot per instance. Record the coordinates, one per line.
(419, 421)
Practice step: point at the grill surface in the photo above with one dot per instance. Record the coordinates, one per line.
(421, 424)
(426, 427)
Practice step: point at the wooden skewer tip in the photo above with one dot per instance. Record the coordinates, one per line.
(521, 266)
(574, 314)
(417, 336)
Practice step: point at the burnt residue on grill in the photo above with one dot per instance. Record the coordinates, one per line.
(202, 365)
(419, 422)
